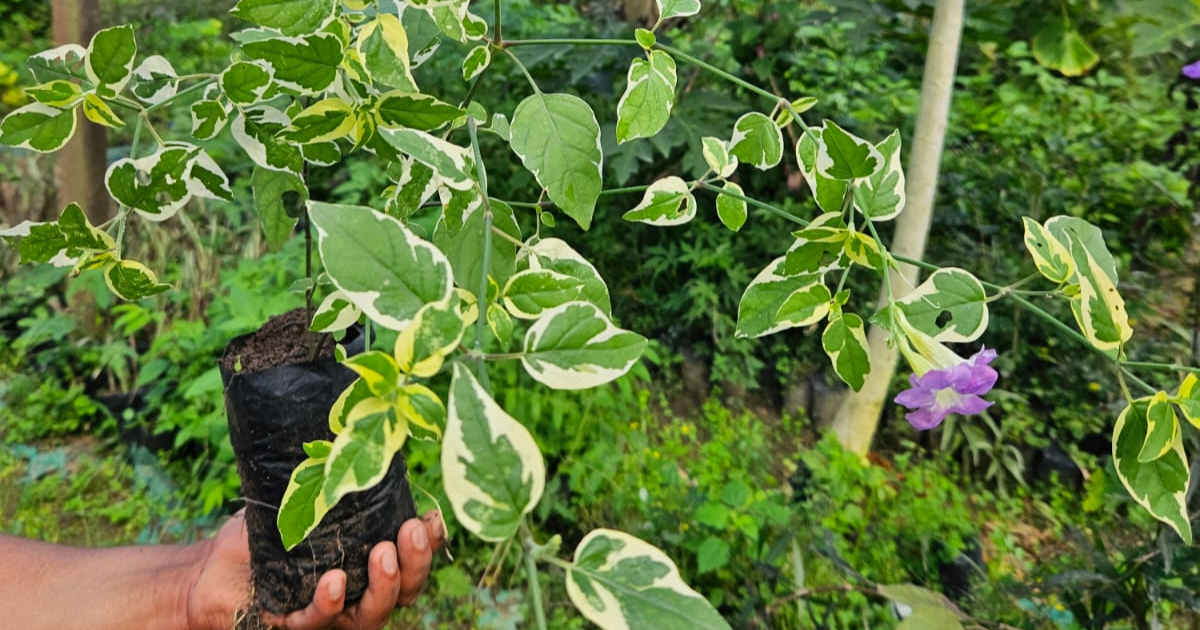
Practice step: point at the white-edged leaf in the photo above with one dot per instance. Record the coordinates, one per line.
(556, 255)
(477, 60)
(845, 341)
(649, 97)
(774, 301)
(155, 81)
(757, 141)
(464, 247)
(246, 82)
(576, 346)
(363, 451)
(1160, 486)
(716, 155)
(881, 196)
(492, 469)
(668, 9)
(62, 63)
(949, 306)
(379, 264)
(96, 110)
(434, 333)
(335, 313)
(110, 57)
(668, 201)
(302, 507)
(1049, 255)
(303, 65)
(453, 164)
(620, 582)
(291, 17)
(383, 45)
(38, 127)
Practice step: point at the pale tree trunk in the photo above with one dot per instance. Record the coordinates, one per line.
(81, 163)
(858, 416)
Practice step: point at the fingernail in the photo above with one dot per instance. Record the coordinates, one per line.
(336, 588)
(389, 564)
(420, 539)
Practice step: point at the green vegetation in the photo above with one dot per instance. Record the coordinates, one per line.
(112, 427)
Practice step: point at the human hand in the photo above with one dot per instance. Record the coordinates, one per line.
(395, 579)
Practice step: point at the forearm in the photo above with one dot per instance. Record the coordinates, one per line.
(53, 586)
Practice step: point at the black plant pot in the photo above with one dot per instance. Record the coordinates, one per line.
(272, 413)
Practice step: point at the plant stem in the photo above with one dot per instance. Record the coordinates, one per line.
(777, 211)
(499, 39)
(531, 574)
(191, 88)
(622, 191)
(524, 70)
(570, 42)
(481, 297)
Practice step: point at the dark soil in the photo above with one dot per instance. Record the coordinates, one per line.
(272, 412)
(283, 340)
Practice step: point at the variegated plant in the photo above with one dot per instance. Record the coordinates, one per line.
(316, 80)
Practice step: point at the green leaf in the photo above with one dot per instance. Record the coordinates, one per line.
(464, 248)
(63, 63)
(97, 111)
(61, 243)
(302, 507)
(434, 333)
(348, 400)
(1159, 486)
(110, 58)
(576, 346)
(209, 118)
(378, 369)
(1162, 428)
(1099, 309)
(324, 121)
(1049, 255)
(1188, 399)
(1059, 46)
(363, 451)
(829, 193)
(730, 209)
(620, 582)
(645, 38)
(845, 341)
(321, 153)
(819, 247)
(666, 202)
(378, 263)
(1162, 23)
(38, 127)
(556, 255)
(491, 467)
(757, 141)
(415, 111)
(155, 186)
(532, 292)
(775, 302)
(56, 94)
(477, 60)
(649, 97)
(302, 65)
(205, 178)
(950, 306)
(844, 156)
(422, 411)
(921, 609)
(500, 324)
(668, 9)
(131, 280)
(155, 81)
(246, 82)
(881, 197)
(416, 184)
(270, 188)
(558, 140)
(712, 554)
(291, 17)
(716, 155)
(255, 131)
(334, 313)
(451, 162)
(383, 45)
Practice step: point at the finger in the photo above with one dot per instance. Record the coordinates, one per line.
(383, 587)
(436, 527)
(327, 603)
(416, 554)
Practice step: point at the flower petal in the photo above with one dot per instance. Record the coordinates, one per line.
(969, 405)
(916, 397)
(926, 419)
(1192, 70)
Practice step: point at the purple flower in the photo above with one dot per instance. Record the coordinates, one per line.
(1192, 70)
(954, 389)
